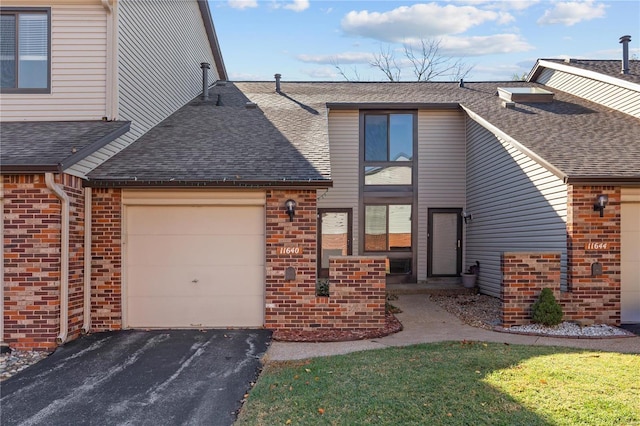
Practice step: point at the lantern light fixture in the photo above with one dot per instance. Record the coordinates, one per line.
(601, 203)
(290, 206)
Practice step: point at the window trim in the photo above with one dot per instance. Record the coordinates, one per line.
(21, 90)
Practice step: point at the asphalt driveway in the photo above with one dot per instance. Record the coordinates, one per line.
(160, 377)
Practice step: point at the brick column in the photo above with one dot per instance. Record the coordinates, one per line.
(106, 263)
(284, 297)
(594, 298)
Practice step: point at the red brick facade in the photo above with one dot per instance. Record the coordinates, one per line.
(106, 262)
(524, 276)
(32, 243)
(357, 285)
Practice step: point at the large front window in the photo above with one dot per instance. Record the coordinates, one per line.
(24, 50)
(388, 148)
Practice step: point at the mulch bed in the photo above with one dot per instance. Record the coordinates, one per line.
(392, 325)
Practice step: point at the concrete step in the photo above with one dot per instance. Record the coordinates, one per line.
(440, 287)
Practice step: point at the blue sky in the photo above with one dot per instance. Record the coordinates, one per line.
(304, 39)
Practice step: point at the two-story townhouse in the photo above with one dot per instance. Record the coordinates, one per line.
(81, 80)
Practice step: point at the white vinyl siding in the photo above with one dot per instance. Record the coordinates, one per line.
(441, 171)
(517, 205)
(78, 69)
(160, 51)
(344, 145)
(607, 94)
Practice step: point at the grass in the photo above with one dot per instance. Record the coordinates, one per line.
(451, 383)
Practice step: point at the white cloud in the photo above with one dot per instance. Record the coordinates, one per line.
(244, 76)
(298, 5)
(338, 58)
(483, 45)
(243, 4)
(571, 13)
(324, 73)
(419, 20)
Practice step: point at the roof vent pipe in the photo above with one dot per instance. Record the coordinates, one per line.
(205, 80)
(461, 83)
(278, 77)
(625, 53)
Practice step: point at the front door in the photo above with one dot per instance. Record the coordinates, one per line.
(334, 236)
(445, 243)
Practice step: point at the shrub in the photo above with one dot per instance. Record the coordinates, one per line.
(546, 310)
(322, 287)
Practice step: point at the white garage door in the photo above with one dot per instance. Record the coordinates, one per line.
(630, 254)
(194, 266)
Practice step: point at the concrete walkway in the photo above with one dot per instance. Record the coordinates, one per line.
(425, 322)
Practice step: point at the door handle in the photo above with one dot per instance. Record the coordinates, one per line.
(195, 281)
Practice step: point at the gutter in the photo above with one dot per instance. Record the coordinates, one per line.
(64, 257)
(86, 326)
(221, 183)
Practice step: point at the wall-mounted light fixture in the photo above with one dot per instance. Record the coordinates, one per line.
(290, 205)
(601, 203)
(468, 217)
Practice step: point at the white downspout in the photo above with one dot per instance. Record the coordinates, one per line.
(64, 257)
(86, 326)
(112, 104)
(3, 346)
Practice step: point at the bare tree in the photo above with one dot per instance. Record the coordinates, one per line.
(344, 73)
(426, 62)
(385, 61)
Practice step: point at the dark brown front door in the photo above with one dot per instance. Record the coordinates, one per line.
(334, 236)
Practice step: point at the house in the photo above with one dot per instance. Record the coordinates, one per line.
(226, 210)
(81, 81)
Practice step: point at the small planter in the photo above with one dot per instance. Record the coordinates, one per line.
(469, 280)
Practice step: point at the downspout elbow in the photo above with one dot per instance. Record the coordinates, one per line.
(64, 257)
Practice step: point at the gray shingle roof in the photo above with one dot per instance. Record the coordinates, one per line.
(577, 138)
(222, 142)
(610, 68)
(53, 145)
(286, 138)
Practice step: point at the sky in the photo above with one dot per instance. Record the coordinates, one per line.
(317, 40)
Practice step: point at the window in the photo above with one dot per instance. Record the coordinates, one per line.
(388, 148)
(387, 227)
(24, 50)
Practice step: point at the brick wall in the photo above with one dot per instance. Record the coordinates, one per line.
(357, 289)
(106, 262)
(524, 275)
(594, 298)
(590, 239)
(32, 230)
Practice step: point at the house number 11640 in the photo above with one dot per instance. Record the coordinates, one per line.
(290, 250)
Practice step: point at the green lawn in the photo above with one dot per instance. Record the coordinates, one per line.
(452, 383)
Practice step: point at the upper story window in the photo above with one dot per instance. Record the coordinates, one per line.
(388, 148)
(25, 50)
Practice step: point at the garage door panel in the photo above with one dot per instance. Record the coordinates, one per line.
(167, 282)
(190, 266)
(630, 263)
(195, 249)
(168, 312)
(169, 220)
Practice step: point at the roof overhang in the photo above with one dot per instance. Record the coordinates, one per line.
(603, 180)
(391, 105)
(59, 167)
(246, 184)
(541, 64)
